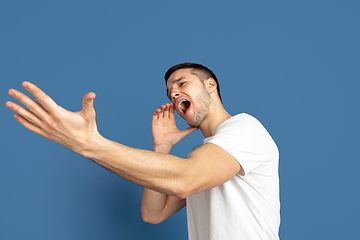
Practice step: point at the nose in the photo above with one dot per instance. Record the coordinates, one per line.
(174, 95)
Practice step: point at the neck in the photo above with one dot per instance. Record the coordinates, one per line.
(217, 115)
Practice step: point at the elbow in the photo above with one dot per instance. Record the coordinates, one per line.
(181, 194)
(182, 191)
(150, 218)
(186, 185)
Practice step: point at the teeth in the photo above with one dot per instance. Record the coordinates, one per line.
(180, 106)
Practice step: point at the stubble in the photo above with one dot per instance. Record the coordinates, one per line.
(203, 102)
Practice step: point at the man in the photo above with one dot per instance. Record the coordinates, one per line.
(229, 184)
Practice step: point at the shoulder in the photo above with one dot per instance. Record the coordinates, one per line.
(242, 133)
(243, 123)
(247, 140)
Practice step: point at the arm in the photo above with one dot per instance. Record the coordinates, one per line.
(162, 172)
(155, 206)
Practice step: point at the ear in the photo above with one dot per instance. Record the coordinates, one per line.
(211, 85)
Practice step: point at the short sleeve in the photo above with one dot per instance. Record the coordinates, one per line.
(245, 139)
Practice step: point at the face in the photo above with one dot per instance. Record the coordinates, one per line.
(189, 95)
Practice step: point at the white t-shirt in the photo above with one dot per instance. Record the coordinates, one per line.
(247, 207)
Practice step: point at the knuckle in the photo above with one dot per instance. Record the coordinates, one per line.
(55, 116)
(50, 124)
(32, 107)
(41, 99)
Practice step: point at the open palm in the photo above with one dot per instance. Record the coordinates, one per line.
(164, 129)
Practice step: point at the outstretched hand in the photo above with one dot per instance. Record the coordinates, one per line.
(74, 130)
(164, 130)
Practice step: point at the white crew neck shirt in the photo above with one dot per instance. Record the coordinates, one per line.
(247, 207)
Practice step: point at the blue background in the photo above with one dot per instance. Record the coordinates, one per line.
(294, 65)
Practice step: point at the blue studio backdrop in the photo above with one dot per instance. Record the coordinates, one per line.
(294, 65)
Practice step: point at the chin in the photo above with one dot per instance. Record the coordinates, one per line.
(196, 122)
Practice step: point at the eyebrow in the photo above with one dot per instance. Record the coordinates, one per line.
(174, 82)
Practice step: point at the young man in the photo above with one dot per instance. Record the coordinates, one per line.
(229, 184)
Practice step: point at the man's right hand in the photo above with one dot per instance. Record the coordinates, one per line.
(164, 130)
(74, 130)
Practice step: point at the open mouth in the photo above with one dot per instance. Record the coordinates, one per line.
(184, 105)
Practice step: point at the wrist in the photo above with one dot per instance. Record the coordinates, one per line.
(94, 147)
(164, 148)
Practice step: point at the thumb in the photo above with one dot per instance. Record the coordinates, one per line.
(187, 131)
(88, 103)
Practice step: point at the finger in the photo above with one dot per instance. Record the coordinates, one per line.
(41, 106)
(161, 113)
(47, 102)
(30, 125)
(172, 110)
(187, 131)
(167, 111)
(88, 104)
(31, 117)
(29, 103)
(156, 114)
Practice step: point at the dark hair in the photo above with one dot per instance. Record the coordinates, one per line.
(199, 70)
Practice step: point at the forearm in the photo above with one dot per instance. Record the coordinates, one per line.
(155, 170)
(152, 201)
(155, 206)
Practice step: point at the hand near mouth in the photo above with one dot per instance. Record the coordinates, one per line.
(164, 130)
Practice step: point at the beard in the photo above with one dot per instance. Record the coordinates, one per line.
(203, 102)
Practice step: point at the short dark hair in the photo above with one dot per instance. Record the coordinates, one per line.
(199, 70)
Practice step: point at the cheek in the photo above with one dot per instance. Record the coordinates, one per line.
(191, 90)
